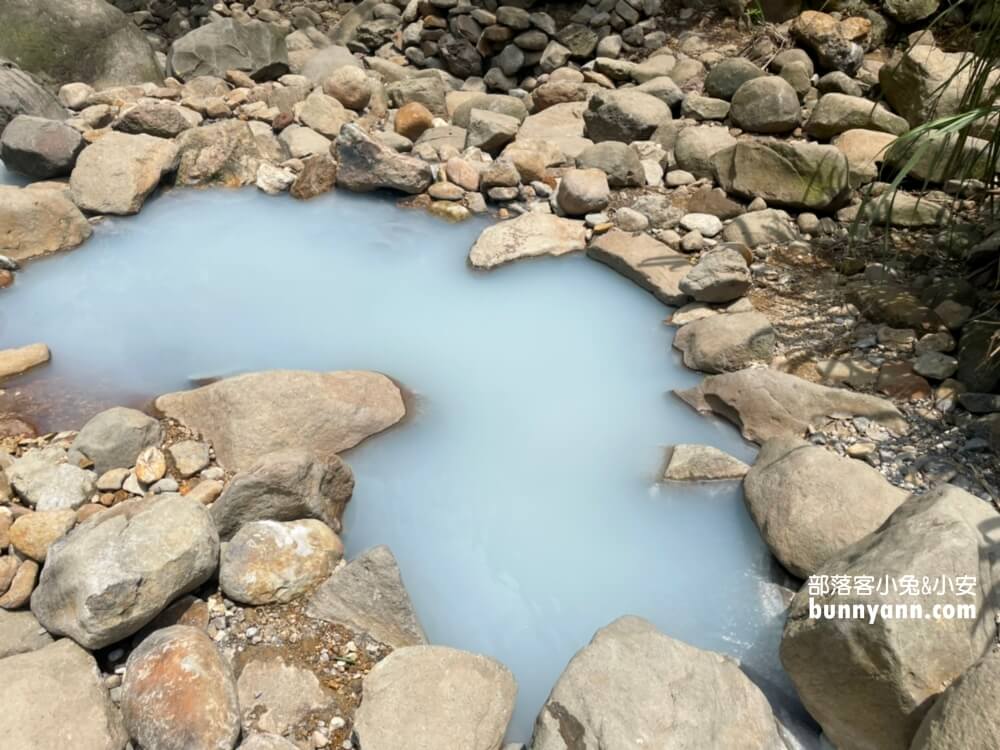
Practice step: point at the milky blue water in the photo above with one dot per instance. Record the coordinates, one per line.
(520, 498)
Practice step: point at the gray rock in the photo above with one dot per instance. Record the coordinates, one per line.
(114, 438)
(870, 684)
(766, 105)
(119, 570)
(21, 633)
(529, 235)
(46, 485)
(696, 147)
(429, 91)
(324, 114)
(708, 225)
(276, 697)
(266, 741)
(765, 404)
(619, 161)
(720, 275)
(21, 94)
(911, 11)
(963, 715)
(490, 131)
(646, 261)
(189, 457)
(368, 596)
(222, 153)
(39, 148)
(456, 698)
(822, 34)
(54, 698)
(583, 191)
(247, 416)
(632, 682)
(810, 504)
(497, 103)
(838, 82)
(726, 77)
(722, 343)
(364, 165)
(117, 173)
(162, 119)
(935, 365)
(322, 64)
(701, 463)
(704, 108)
(254, 47)
(664, 89)
(760, 228)
(837, 113)
(624, 115)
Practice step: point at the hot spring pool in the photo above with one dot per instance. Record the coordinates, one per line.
(520, 497)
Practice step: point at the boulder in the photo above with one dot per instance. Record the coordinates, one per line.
(114, 438)
(894, 305)
(350, 86)
(246, 416)
(529, 235)
(179, 694)
(490, 131)
(720, 275)
(54, 697)
(318, 176)
(766, 105)
(869, 681)
(619, 161)
(222, 153)
(809, 503)
(938, 157)
(429, 92)
(583, 191)
(275, 696)
(726, 77)
(305, 143)
(623, 115)
(760, 228)
(765, 403)
(785, 173)
(21, 94)
(701, 463)
(866, 150)
(412, 119)
(696, 146)
(21, 633)
(45, 483)
(646, 261)
(39, 148)
(117, 173)
(829, 39)
(254, 47)
(368, 596)
(500, 104)
(838, 113)
(433, 697)
(326, 61)
(267, 561)
(38, 222)
(963, 715)
(722, 343)
(324, 114)
(118, 570)
(364, 165)
(98, 44)
(633, 686)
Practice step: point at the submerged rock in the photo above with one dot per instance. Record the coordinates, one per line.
(634, 686)
(36, 222)
(116, 174)
(254, 47)
(364, 165)
(699, 463)
(527, 236)
(246, 416)
(646, 261)
(433, 697)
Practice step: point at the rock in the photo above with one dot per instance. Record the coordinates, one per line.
(619, 161)
(876, 702)
(324, 114)
(20, 633)
(809, 503)
(151, 465)
(324, 63)
(38, 222)
(560, 127)
(46, 485)
(646, 261)
(766, 404)
(726, 77)
(350, 86)
(704, 108)
(118, 570)
(189, 457)
(893, 305)
(275, 696)
(39, 148)
(98, 44)
(266, 741)
(368, 596)
(22, 359)
(707, 224)
(429, 92)
(318, 176)
(527, 236)
(838, 113)
(865, 150)
(760, 228)
(962, 716)
(20, 94)
(935, 365)
(249, 415)
(274, 180)
(497, 103)
(303, 143)
(978, 362)
(701, 463)
(268, 561)
(583, 191)
(54, 698)
(784, 174)
(490, 131)
(829, 40)
(766, 105)
(424, 697)
(117, 173)
(634, 683)
(114, 438)
(179, 694)
(837, 82)
(910, 11)
(364, 165)
(8, 567)
(697, 145)
(412, 119)
(726, 342)
(223, 153)
(630, 220)
(21, 586)
(720, 275)
(161, 119)
(623, 115)
(33, 533)
(253, 47)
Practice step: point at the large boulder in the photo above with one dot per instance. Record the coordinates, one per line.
(646, 261)
(36, 222)
(364, 164)
(809, 503)
(623, 115)
(720, 343)
(866, 151)
(529, 235)
(785, 173)
(254, 47)
(223, 153)
(20, 94)
(178, 693)
(870, 680)
(765, 404)
(837, 113)
(116, 174)
(963, 716)
(54, 697)
(433, 697)
(114, 438)
(97, 43)
(766, 105)
(249, 415)
(497, 103)
(633, 686)
(121, 568)
(39, 148)
(368, 596)
(560, 126)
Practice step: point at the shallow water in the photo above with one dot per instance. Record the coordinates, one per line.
(520, 497)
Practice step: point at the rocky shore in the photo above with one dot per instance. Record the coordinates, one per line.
(178, 581)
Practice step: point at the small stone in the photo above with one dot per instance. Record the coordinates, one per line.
(935, 365)
(708, 225)
(151, 465)
(413, 119)
(189, 457)
(23, 583)
(678, 177)
(112, 480)
(693, 242)
(630, 220)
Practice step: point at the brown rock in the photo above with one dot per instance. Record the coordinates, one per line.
(37, 222)
(646, 261)
(151, 465)
(318, 176)
(6, 520)
(462, 173)
(413, 119)
(898, 380)
(8, 567)
(34, 533)
(207, 491)
(21, 586)
(88, 511)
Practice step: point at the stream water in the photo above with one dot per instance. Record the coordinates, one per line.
(521, 497)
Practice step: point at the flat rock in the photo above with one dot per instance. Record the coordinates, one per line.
(22, 359)
(646, 261)
(623, 115)
(701, 463)
(433, 697)
(117, 173)
(275, 696)
(722, 343)
(249, 415)
(529, 235)
(114, 438)
(21, 633)
(38, 222)
(837, 113)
